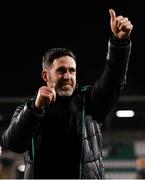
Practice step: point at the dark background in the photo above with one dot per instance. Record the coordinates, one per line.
(27, 30)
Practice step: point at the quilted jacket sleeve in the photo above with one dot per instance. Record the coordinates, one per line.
(108, 87)
(23, 126)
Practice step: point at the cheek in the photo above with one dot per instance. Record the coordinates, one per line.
(74, 81)
(58, 80)
(54, 77)
(74, 78)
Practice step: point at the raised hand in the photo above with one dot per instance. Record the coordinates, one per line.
(120, 26)
(46, 94)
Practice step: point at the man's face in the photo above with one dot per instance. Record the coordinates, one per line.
(63, 74)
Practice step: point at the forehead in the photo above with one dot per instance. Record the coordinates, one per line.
(65, 61)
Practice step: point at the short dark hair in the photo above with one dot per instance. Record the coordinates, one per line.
(54, 53)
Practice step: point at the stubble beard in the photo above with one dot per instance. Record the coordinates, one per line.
(65, 93)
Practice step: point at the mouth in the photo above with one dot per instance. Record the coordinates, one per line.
(66, 86)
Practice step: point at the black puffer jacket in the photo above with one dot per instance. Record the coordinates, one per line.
(64, 140)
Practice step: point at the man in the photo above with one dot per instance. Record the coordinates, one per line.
(59, 128)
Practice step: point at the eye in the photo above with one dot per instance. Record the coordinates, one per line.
(61, 70)
(72, 70)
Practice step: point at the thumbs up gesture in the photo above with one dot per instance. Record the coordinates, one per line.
(120, 26)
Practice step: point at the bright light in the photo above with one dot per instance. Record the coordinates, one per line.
(21, 168)
(125, 113)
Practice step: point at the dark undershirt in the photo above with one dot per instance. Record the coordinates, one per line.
(59, 154)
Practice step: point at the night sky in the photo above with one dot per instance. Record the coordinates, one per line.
(28, 30)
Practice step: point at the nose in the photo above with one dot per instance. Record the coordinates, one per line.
(67, 75)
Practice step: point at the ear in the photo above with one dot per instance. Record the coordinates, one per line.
(44, 75)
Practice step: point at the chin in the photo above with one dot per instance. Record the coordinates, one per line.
(65, 93)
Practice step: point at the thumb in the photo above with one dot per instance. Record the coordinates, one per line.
(53, 89)
(51, 85)
(112, 14)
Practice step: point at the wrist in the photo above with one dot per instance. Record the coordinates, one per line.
(36, 108)
(116, 40)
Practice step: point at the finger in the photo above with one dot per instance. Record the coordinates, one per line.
(51, 85)
(54, 94)
(45, 97)
(118, 20)
(126, 26)
(112, 14)
(124, 20)
(49, 96)
(48, 92)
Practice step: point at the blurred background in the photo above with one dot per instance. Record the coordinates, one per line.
(27, 30)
